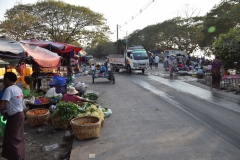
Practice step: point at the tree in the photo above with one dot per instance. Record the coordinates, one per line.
(227, 46)
(57, 21)
(218, 21)
(178, 33)
(20, 24)
(102, 50)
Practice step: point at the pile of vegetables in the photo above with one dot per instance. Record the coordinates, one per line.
(37, 112)
(55, 97)
(88, 109)
(41, 100)
(91, 96)
(34, 94)
(65, 110)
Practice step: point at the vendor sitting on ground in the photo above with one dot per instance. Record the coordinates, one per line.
(72, 96)
(84, 68)
(200, 72)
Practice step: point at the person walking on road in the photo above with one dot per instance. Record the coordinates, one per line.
(216, 73)
(151, 62)
(156, 61)
(13, 141)
(165, 63)
(171, 61)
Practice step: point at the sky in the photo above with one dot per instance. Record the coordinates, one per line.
(117, 12)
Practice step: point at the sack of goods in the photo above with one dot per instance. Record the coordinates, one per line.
(80, 86)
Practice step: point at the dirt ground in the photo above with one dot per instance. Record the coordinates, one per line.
(45, 135)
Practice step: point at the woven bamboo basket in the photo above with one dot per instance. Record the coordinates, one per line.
(58, 124)
(37, 120)
(86, 131)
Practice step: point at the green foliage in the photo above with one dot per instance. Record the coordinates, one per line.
(65, 110)
(102, 50)
(56, 21)
(178, 33)
(223, 17)
(227, 46)
(91, 96)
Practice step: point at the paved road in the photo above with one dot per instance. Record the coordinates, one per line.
(159, 118)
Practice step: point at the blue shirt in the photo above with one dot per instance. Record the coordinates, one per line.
(200, 71)
(103, 68)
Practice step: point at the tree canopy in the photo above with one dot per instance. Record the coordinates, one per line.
(227, 47)
(57, 21)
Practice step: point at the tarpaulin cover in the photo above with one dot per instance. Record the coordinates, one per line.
(11, 46)
(53, 46)
(11, 51)
(43, 57)
(44, 44)
(67, 48)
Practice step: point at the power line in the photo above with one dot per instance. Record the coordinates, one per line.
(139, 12)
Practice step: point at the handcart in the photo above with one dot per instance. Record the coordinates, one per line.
(107, 74)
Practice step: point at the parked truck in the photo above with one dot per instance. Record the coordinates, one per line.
(134, 58)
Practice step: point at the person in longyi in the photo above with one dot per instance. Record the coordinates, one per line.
(13, 141)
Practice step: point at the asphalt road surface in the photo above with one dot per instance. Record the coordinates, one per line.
(157, 118)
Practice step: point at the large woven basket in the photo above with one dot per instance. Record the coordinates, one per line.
(86, 131)
(37, 120)
(58, 124)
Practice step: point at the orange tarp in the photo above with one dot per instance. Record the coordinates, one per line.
(43, 57)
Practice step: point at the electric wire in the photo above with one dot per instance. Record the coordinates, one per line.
(139, 12)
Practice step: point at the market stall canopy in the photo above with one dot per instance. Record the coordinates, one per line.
(44, 58)
(9, 45)
(44, 44)
(3, 62)
(67, 48)
(10, 50)
(57, 47)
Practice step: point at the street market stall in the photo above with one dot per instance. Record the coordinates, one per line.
(44, 65)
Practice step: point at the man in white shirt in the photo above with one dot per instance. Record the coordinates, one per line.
(13, 140)
(156, 61)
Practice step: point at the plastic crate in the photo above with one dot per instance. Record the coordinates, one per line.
(2, 126)
(59, 88)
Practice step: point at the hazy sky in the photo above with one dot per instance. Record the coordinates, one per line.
(121, 11)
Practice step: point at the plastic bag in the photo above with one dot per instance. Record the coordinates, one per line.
(51, 92)
(108, 113)
(32, 100)
(58, 80)
(80, 86)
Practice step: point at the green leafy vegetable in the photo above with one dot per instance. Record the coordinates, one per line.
(91, 96)
(65, 110)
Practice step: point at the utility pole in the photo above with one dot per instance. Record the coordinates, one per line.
(126, 39)
(117, 32)
(117, 41)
